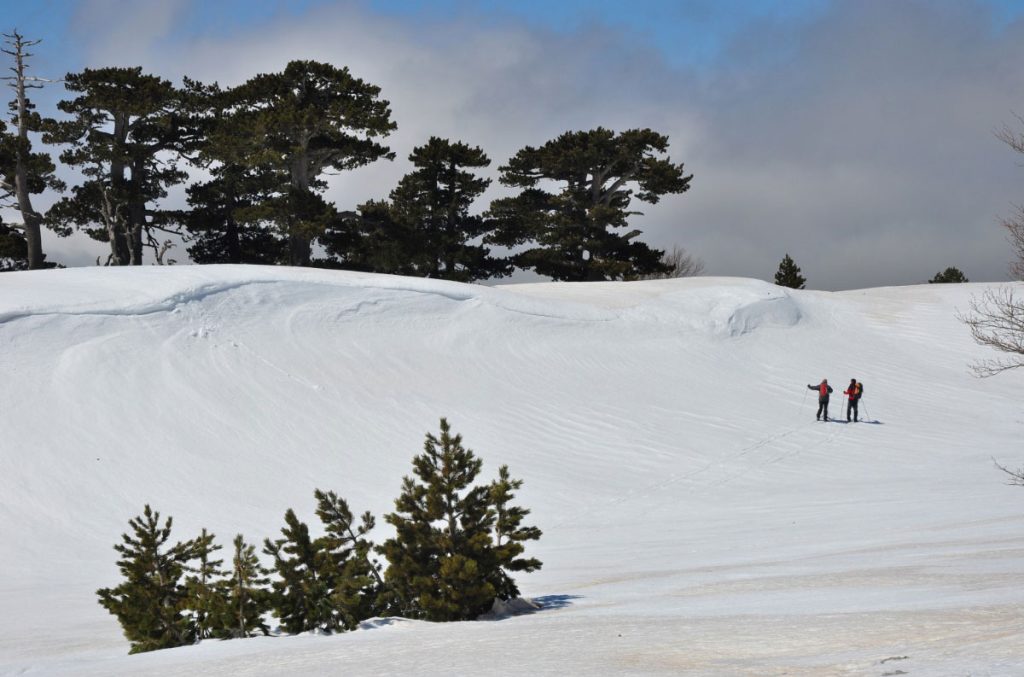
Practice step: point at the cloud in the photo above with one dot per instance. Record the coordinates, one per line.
(859, 141)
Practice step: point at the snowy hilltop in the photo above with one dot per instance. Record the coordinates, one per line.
(696, 518)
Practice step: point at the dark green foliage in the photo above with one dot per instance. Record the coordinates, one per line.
(13, 249)
(149, 603)
(789, 275)
(570, 233)
(426, 230)
(124, 130)
(226, 220)
(296, 125)
(509, 535)
(245, 597)
(302, 594)
(203, 589)
(357, 580)
(217, 221)
(950, 274)
(444, 563)
(329, 583)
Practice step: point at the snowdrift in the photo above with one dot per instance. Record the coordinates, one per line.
(696, 519)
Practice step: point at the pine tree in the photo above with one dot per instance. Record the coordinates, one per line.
(357, 580)
(509, 535)
(441, 558)
(302, 595)
(950, 274)
(205, 595)
(125, 130)
(570, 233)
(246, 597)
(149, 602)
(227, 220)
(430, 230)
(789, 275)
(303, 122)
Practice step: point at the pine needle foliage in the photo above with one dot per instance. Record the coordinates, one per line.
(444, 561)
(949, 275)
(149, 603)
(789, 275)
(246, 597)
(205, 595)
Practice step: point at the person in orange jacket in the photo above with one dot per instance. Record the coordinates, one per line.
(853, 393)
(824, 390)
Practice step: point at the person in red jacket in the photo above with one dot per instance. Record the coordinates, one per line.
(824, 390)
(853, 393)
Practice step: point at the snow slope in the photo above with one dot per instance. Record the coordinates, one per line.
(696, 519)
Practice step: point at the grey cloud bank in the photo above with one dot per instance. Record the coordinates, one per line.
(860, 141)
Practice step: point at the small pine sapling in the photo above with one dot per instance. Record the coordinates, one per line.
(509, 535)
(205, 597)
(788, 274)
(302, 595)
(441, 558)
(246, 595)
(358, 583)
(149, 602)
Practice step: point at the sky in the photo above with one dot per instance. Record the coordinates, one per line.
(856, 136)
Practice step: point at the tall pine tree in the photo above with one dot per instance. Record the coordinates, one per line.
(570, 233)
(219, 219)
(125, 132)
(429, 230)
(303, 122)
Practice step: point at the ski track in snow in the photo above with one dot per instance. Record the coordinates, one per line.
(696, 519)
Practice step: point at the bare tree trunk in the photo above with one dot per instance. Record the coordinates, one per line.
(120, 250)
(30, 217)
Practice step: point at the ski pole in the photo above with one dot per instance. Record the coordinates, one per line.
(866, 415)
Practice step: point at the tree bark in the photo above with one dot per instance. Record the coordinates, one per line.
(29, 216)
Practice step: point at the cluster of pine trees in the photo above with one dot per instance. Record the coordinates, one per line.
(266, 147)
(455, 548)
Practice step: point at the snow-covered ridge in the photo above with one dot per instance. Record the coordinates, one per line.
(732, 306)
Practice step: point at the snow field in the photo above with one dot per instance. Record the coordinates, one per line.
(696, 519)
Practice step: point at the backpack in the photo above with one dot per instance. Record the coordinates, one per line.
(858, 390)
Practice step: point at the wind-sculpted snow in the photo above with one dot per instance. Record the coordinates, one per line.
(696, 519)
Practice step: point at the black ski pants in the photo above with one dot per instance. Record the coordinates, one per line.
(822, 408)
(851, 406)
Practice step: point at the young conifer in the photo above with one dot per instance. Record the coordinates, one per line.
(246, 597)
(442, 559)
(150, 600)
(788, 274)
(205, 594)
(509, 535)
(302, 595)
(357, 580)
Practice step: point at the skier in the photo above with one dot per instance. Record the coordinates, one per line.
(824, 389)
(853, 393)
